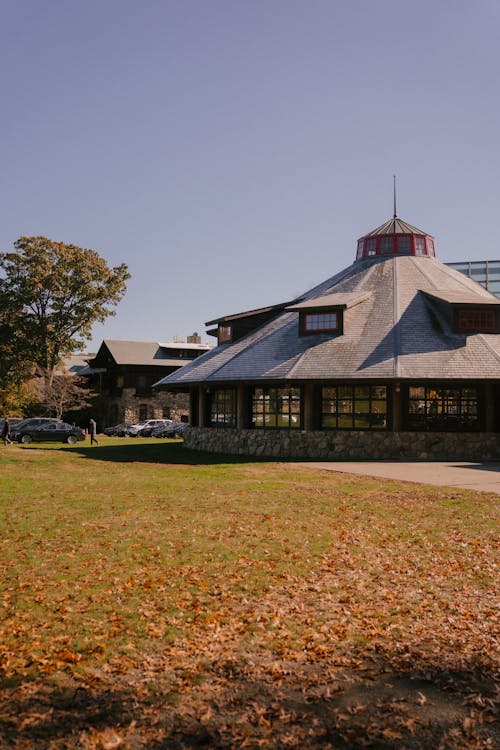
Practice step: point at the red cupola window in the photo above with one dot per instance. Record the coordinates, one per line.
(395, 237)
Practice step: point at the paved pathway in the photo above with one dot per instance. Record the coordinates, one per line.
(472, 475)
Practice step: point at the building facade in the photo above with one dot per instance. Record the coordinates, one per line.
(122, 374)
(485, 272)
(396, 355)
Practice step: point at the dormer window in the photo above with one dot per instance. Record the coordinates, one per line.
(320, 322)
(224, 334)
(476, 320)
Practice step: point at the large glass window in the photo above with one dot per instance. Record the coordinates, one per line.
(276, 407)
(223, 408)
(442, 409)
(354, 407)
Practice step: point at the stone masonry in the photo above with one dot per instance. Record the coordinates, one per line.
(345, 445)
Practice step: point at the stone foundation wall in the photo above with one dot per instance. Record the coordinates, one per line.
(344, 445)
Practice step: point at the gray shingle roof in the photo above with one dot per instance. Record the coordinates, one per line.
(395, 333)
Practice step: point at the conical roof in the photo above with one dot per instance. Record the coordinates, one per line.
(395, 226)
(396, 324)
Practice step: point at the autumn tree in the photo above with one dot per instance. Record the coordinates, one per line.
(61, 392)
(51, 294)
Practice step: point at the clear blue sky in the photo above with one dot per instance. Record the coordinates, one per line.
(231, 152)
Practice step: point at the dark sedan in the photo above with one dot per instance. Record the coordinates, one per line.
(54, 432)
(170, 431)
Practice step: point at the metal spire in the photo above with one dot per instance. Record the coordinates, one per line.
(394, 189)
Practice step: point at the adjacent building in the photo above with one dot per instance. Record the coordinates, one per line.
(122, 374)
(396, 355)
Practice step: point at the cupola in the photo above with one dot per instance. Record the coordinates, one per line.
(395, 237)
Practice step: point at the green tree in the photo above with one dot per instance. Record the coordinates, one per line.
(51, 294)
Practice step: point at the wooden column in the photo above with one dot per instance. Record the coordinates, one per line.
(202, 407)
(489, 408)
(242, 416)
(309, 416)
(397, 408)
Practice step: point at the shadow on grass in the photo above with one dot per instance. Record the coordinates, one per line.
(373, 707)
(160, 453)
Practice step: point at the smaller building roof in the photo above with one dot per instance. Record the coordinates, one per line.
(465, 297)
(185, 345)
(342, 300)
(149, 353)
(250, 313)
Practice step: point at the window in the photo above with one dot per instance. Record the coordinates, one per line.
(371, 247)
(442, 409)
(430, 247)
(165, 412)
(143, 412)
(419, 246)
(475, 319)
(386, 245)
(354, 407)
(318, 322)
(141, 384)
(223, 408)
(224, 334)
(359, 253)
(276, 407)
(404, 244)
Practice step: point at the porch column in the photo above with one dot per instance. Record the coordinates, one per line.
(489, 408)
(202, 407)
(397, 408)
(309, 416)
(242, 416)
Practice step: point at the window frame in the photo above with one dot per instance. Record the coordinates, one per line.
(443, 407)
(351, 407)
(224, 333)
(222, 401)
(487, 315)
(321, 311)
(270, 395)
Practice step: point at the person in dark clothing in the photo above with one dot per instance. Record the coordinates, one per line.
(92, 432)
(6, 433)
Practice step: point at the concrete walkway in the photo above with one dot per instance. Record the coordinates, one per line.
(470, 475)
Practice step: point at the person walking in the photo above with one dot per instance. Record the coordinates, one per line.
(6, 432)
(92, 432)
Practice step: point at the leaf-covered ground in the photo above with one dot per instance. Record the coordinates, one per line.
(155, 598)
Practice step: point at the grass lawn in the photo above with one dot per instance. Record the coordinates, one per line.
(152, 597)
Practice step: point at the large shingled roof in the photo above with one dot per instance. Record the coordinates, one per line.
(395, 330)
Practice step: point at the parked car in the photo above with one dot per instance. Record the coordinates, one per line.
(118, 430)
(53, 432)
(173, 430)
(158, 425)
(13, 422)
(18, 430)
(136, 428)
